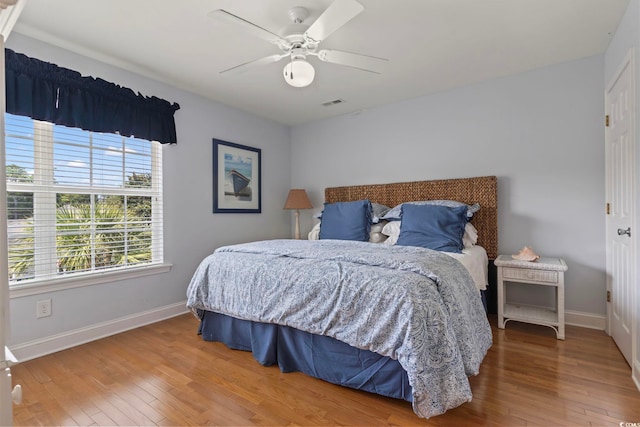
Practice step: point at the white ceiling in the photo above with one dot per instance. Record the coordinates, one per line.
(431, 45)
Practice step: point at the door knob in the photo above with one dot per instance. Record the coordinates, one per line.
(622, 232)
(16, 394)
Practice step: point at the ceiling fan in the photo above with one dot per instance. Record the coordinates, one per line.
(299, 41)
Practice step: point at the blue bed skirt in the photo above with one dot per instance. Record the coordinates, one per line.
(315, 355)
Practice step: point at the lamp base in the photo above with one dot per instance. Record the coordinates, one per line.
(297, 233)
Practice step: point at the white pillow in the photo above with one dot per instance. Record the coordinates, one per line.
(392, 229)
(314, 234)
(375, 236)
(470, 237)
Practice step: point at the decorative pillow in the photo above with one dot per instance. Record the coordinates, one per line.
(375, 235)
(346, 221)
(392, 231)
(434, 227)
(378, 212)
(394, 213)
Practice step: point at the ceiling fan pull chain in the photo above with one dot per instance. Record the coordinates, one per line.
(291, 74)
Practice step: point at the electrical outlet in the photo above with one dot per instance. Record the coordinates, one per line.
(43, 308)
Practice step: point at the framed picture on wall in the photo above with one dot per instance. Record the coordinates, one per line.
(236, 178)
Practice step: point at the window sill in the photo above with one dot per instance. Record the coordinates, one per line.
(58, 284)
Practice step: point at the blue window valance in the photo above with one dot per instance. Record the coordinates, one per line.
(45, 91)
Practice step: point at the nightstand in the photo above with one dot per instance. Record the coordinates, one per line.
(543, 272)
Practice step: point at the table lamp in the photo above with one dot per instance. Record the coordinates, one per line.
(297, 199)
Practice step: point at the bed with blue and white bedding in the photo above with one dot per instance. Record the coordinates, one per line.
(414, 305)
(401, 321)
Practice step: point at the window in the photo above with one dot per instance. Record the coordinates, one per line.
(79, 202)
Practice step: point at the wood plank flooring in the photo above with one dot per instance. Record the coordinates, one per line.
(164, 374)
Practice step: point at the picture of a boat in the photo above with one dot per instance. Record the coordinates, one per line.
(240, 182)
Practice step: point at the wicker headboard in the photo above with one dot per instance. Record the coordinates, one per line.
(482, 190)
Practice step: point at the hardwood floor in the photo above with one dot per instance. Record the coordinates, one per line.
(164, 374)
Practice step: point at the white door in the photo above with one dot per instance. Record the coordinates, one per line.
(621, 235)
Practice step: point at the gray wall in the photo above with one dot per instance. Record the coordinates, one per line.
(191, 230)
(540, 132)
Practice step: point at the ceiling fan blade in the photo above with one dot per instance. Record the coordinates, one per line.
(335, 16)
(251, 64)
(371, 64)
(249, 27)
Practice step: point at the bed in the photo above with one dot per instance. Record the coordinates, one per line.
(400, 321)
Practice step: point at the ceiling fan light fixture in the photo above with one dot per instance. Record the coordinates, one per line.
(299, 73)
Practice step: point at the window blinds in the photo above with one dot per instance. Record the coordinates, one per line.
(80, 201)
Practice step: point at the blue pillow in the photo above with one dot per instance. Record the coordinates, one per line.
(434, 227)
(394, 213)
(346, 221)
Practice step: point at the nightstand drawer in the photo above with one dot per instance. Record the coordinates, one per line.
(529, 274)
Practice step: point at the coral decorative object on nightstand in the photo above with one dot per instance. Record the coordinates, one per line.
(543, 271)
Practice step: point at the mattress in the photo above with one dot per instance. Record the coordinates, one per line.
(476, 261)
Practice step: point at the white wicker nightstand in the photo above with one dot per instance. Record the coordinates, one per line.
(546, 272)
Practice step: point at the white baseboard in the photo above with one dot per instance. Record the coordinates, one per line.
(43, 346)
(585, 320)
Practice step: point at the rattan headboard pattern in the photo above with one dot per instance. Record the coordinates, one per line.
(482, 190)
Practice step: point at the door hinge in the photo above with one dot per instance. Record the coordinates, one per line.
(608, 296)
(608, 209)
(606, 120)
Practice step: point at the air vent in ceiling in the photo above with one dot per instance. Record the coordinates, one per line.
(334, 102)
